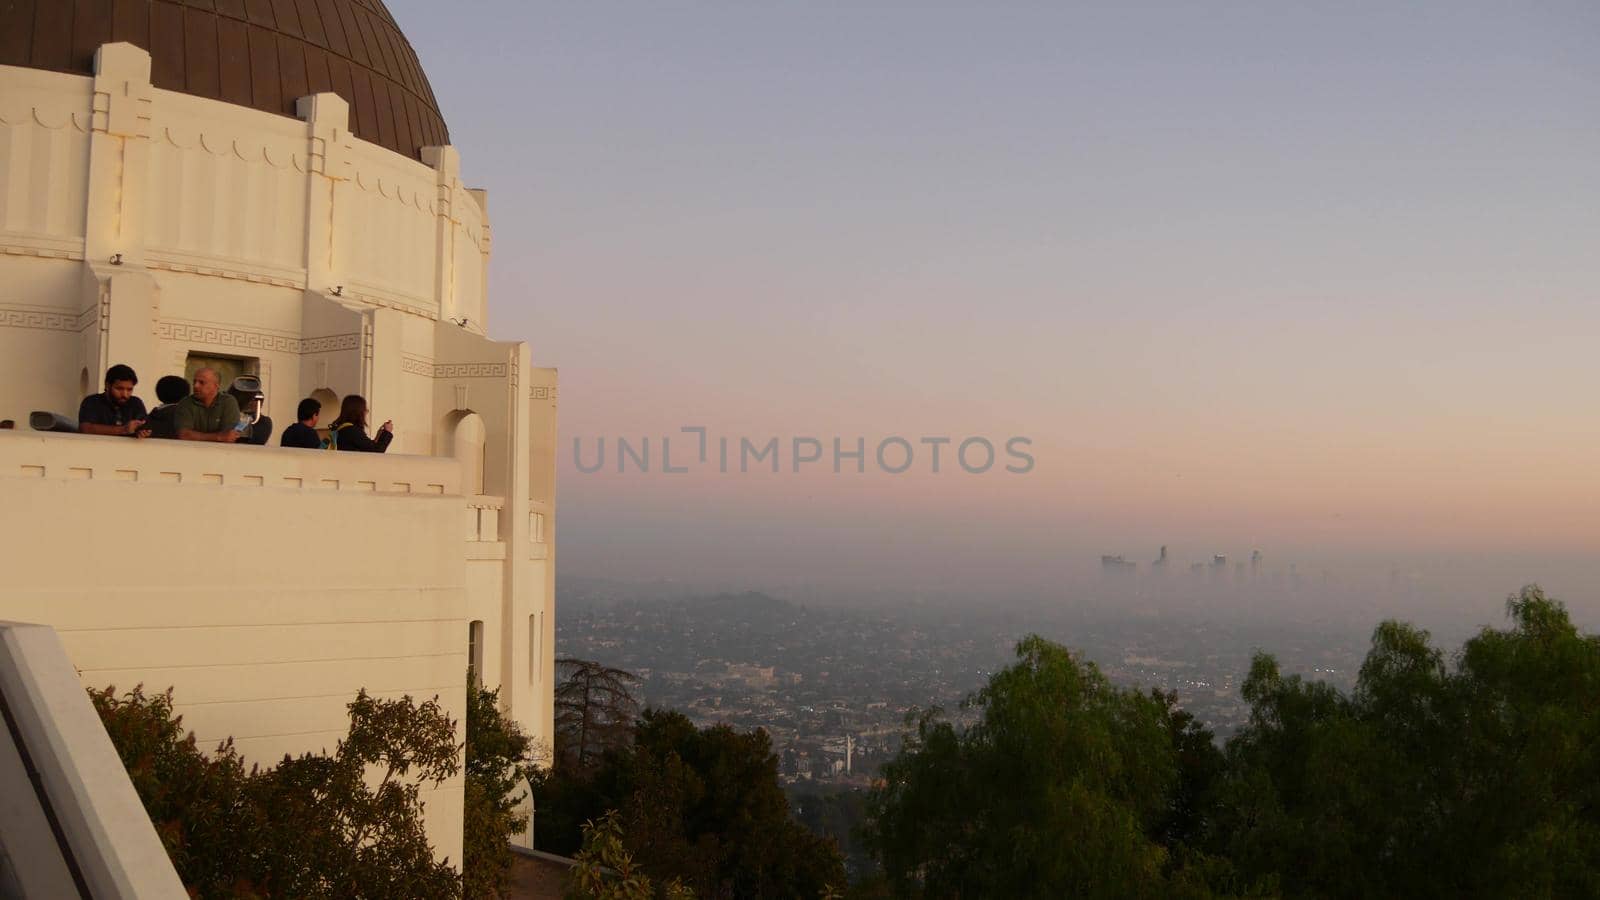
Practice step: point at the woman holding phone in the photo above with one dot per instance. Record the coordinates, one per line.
(349, 431)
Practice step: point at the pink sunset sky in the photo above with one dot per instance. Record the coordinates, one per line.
(1319, 281)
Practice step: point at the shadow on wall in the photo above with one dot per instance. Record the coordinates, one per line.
(461, 434)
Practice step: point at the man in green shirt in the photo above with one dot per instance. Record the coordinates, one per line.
(207, 414)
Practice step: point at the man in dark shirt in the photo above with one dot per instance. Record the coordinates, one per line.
(304, 432)
(117, 411)
(208, 414)
(170, 389)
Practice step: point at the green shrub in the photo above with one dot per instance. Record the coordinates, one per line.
(501, 761)
(606, 870)
(345, 825)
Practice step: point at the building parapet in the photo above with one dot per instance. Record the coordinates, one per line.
(539, 513)
(68, 457)
(483, 518)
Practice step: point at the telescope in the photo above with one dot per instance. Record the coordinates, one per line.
(246, 389)
(41, 420)
(252, 403)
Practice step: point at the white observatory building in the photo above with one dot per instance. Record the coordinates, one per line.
(265, 188)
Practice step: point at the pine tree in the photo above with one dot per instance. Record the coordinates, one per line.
(595, 709)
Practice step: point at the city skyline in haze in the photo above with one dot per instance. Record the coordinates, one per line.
(1316, 280)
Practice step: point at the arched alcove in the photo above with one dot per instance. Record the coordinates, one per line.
(330, 409)
(461, 434)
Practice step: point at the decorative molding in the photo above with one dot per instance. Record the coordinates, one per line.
(226, 337)
(41, 318)
(446, 189)
(542, 392)
(54, 119)
(470, 370)
(352, 298)
(44, 246)
(404, 189)
(247, 148)
(330, 343)
(241, 339)
(413, 364)
(175, 263)
(42, 252)
(421, 365)
(122, 98)
(121, 114)
(364, 294)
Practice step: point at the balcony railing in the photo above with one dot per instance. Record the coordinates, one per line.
(483, 518)
(33, 454)
(66, 457)
(538, 520)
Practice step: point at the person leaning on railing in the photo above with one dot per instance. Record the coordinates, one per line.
(303, 433)
(208, 414)
(170, 390)
(116, 411)
(349, 431)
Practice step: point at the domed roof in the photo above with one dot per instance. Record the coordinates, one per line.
(263, 54)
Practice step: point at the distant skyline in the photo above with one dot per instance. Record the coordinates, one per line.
(1314, 279)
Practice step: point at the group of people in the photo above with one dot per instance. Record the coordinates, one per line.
(209, 413)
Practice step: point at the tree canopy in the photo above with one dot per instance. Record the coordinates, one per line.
(347, 824)
(1064, 787)
(594, 713)
(1477, 776)
(502, 762)
(1473, 776)
(700, 805)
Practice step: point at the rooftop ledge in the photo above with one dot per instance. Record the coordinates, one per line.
(83, 457)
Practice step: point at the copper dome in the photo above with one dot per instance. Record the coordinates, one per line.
(263, 54)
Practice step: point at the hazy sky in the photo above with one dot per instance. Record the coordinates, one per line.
(1317, 278)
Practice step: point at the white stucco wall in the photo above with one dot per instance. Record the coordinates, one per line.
(235, 221)
(265, 586)
(140, 226)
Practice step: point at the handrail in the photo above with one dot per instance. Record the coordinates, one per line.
(73, 824)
